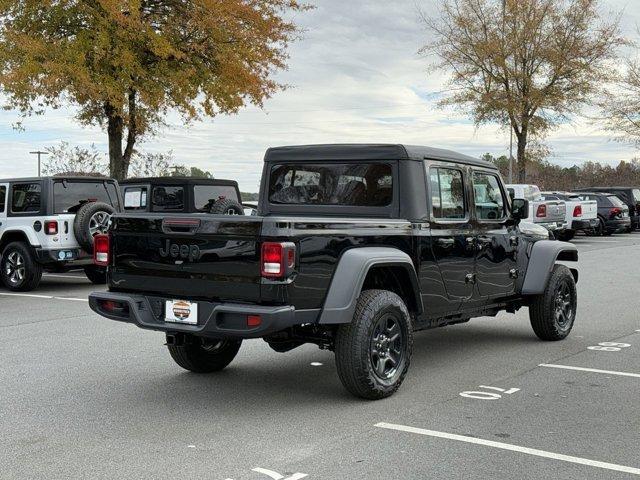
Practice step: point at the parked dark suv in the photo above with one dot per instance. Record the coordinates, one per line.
(353, 248)
(630, 196)
(613, 214)
(181, 195)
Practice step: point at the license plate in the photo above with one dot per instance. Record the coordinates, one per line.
(181, 311)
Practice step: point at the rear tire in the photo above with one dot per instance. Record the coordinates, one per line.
(96, 275)
(203, 355)
(373, 352)
(20, 270)
(553, 313)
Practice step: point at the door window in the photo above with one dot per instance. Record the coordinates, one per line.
(489, 202)
(447, 194)
(25, 198)
(3, 198)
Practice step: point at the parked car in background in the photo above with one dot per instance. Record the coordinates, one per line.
(48, 224)
(581, 216)
(630, 196)
(551, 214)
(613, 215)
(181, 195)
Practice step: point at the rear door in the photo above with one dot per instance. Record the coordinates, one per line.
(452, 235)
(496, 243)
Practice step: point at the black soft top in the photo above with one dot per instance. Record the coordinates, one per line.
(370, 151)
(179, 181)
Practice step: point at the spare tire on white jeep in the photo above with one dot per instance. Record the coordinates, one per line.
(91, 219)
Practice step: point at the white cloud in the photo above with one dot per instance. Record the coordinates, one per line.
(356, 76)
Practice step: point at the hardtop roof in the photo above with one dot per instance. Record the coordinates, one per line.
(179, 181)
(369, 151)
(57, 177)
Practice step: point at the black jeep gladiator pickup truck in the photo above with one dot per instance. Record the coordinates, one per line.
(354, 248)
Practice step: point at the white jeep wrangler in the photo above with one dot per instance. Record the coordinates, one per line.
(48, 224)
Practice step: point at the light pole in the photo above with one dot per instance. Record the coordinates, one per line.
(39, 153)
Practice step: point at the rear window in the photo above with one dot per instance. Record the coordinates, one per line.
(25, 198)
(168, 199)
(615, 201)
(135, 198)
(68, 196)
(361, 184)
(204, 196)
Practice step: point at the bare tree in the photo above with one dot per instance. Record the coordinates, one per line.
(525, 64)
(67, 160)
(621, 107)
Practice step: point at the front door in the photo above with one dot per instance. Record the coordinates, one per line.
(452, 239)
(496, 242)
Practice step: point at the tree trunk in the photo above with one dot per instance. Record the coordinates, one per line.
(119, 161)
(114, 132)
(521, 156)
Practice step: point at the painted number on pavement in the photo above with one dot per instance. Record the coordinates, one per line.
(480, 395)
(609, 346)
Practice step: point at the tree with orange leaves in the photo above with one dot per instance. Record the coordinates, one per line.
(126, 63)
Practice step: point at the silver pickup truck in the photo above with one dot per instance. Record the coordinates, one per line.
(550, 214)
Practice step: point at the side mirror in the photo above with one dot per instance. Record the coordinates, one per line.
(519, 209)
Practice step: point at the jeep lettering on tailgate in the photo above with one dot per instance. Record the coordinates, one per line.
(186, 252)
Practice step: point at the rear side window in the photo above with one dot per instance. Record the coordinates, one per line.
(135, 198)
(26, 198)
(361, 184)
(447, 194)
(489, 202)
(168, 199)
(3, 198)
(636, 195)
(68, 196)
(204, 196)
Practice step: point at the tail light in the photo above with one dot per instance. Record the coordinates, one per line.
(542, 211)
(577, 211)
(51, 227)
(277, 259)
(101, 249)
(615, 211)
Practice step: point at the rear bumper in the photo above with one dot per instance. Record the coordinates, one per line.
(584, 224)
(617, 225)
(552, 226)
(215, 320)
(66, 256)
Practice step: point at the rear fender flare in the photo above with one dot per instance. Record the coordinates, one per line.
(350, 274)
(543, 257)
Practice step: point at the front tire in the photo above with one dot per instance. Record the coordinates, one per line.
(204, 355)
(553, 313)
(373, 352)
(20, 270)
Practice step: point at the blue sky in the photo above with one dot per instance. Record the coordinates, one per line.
(355, 76)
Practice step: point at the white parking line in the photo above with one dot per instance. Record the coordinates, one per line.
(594, 370)
(44, 297)
(510, 447)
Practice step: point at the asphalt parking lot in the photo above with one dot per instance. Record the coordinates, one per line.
(84, 397)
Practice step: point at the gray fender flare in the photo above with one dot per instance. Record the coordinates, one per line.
(350, 274)
(543, 257)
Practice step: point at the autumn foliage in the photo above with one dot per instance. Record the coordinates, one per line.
(126, 63)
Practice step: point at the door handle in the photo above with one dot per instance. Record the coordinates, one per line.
(446, 242)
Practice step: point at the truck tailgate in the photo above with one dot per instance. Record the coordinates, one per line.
(555, 211)
(199, 256)
(589, 209)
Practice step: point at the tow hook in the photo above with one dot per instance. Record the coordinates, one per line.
(175, 339)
